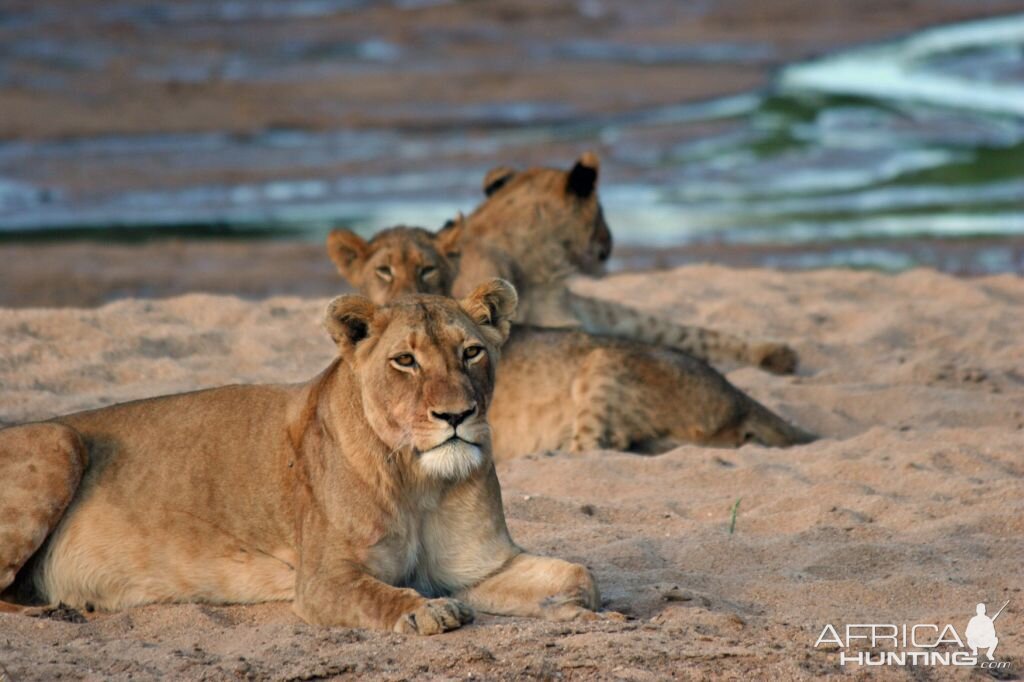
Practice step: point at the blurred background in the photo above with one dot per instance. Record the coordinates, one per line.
(152, 147)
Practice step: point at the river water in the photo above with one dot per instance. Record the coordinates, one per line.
(920, 138)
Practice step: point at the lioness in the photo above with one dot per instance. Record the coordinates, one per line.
(540, 227)
(367, 495)
(559, 389)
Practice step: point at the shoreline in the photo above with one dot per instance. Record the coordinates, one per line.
(87, 274)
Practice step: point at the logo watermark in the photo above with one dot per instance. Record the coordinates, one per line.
(918, 644)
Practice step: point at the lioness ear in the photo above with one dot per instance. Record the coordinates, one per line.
(447, 238)
(496, 179)
(583, 176)
(348, 320)
(492, 305)
(347, 250)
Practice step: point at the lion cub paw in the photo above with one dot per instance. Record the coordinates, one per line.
(776, 358)
(434, 617)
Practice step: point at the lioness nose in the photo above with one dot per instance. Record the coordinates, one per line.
(454, 418)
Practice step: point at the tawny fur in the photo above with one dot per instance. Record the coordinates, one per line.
(561, 389)
(312, 492)
(539, 228)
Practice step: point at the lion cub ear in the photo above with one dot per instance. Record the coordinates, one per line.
(348, 251)
(447, 238)
(348, 320)
(492, 306)
(496, 178)
(583, 177)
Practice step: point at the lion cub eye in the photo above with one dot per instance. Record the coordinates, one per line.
(473, 353)
(384, 272)
(428, 272)
(405, 360)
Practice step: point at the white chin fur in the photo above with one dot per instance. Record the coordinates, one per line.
(452, 460)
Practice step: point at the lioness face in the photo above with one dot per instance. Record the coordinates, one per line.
(425, 366)
(399, 261)
(564, 205)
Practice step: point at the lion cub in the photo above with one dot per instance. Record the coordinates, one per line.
(540, 227)
(367, 495)
(560, 389)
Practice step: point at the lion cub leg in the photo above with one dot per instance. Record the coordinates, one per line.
(41, 466)
(537, 587)
(689, 402)
(614, 319)
(609, 410)
(650, 400)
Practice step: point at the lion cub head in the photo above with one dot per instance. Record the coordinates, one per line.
(400, 260)
(425, 368)
(542, 208)
(397, 261)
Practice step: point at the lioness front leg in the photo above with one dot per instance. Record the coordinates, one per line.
(352, 598)
(539, 587)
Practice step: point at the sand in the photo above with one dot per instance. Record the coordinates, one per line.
(909, 510)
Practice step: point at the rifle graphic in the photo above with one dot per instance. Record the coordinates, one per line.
(1000, 610)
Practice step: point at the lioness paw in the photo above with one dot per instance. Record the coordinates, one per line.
(434, 617)
(776, 358)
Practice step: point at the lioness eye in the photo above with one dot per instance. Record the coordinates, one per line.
(384, 272)
(404, 360)
(472, 352)
(428, 271)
